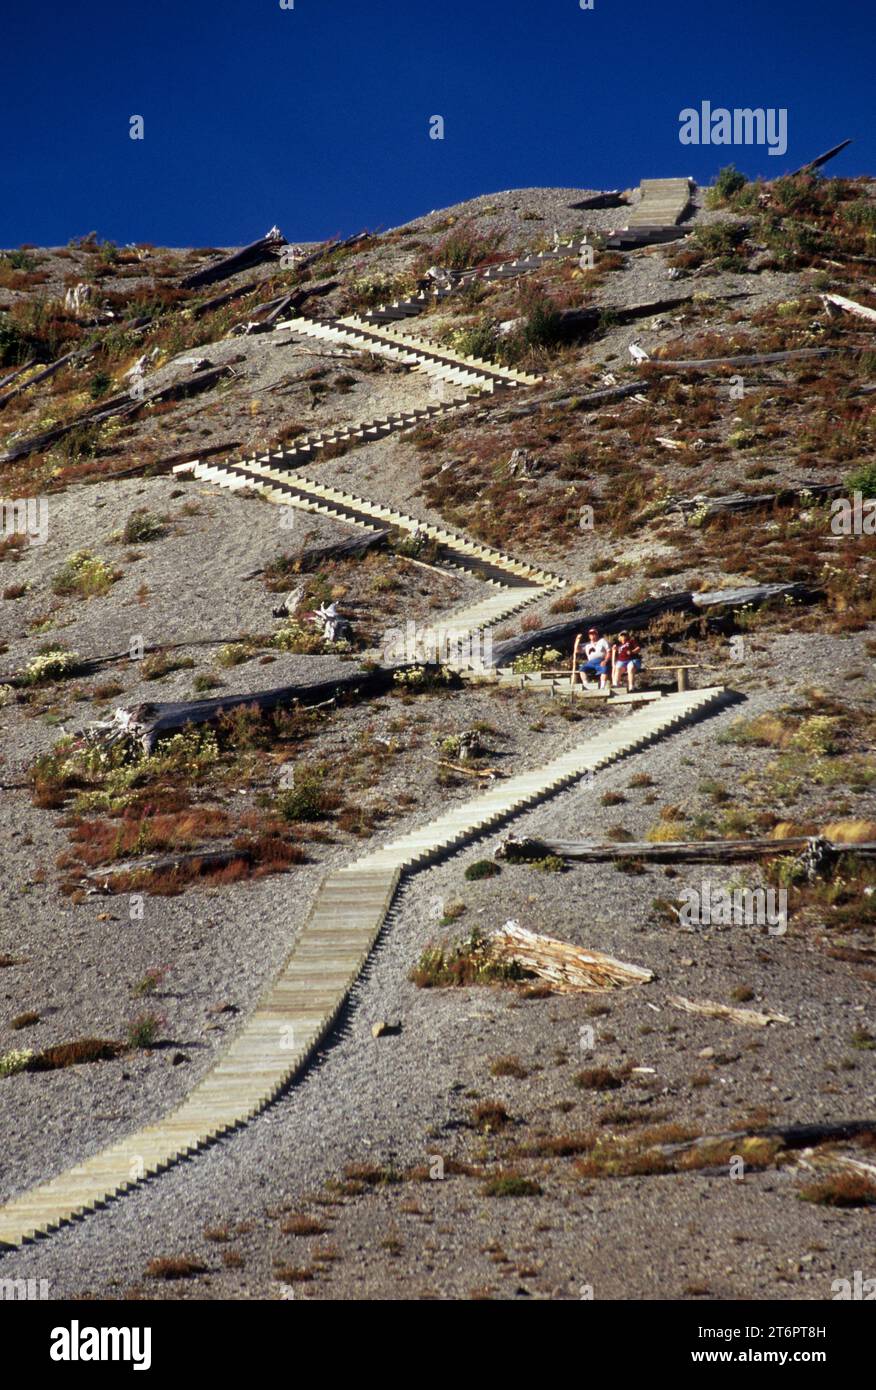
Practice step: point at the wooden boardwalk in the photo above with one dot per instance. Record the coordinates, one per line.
(301, 1005)
(663, 203)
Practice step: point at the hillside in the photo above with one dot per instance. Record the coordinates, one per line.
(532, 419)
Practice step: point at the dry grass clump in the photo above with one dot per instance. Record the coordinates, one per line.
(509, 1066)
(73, 1054)
(301, 1225)
(841, 1190)
(174, 1267)
(468, 962)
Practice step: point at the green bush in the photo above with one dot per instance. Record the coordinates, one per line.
(142, 526)
(309, 799)
(536, 660)
(728, 183)
(84, 574)
(53, 664)
(482, 868)
(863, 479)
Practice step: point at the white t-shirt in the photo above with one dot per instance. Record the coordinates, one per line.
(599, 648)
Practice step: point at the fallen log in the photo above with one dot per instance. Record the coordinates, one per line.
(264, 249)
(637, 616)
(568, 968)
(745, 359)
(708, 507)
(340, 550)
(208, 305)
(670, 851)
(102, 880)
(750, 1018)
(19, 371)
(590, 400)
(821, 159)
(850, 306)
(487, 773)
(118, 406)
(722, 1146)
(43, 375)
(148, 722)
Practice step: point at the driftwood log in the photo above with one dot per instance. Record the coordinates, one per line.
(150, 721)
(707, 1008)
(44, 374)
(638, 615)
(264, 249)
(708, 507)
(568, 968)
(671, 851)
(314, 556)
(745, 359)
(821, 159)
(117, 406)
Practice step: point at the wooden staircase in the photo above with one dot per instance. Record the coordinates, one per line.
(299, 1008)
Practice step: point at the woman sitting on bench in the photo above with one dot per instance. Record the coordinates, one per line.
(627, 660)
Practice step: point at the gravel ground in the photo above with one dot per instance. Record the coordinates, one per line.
(404, 1098)
(365, 1100)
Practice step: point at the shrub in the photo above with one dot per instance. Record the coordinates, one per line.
(143, 1030)
(728, 183)
(488, 1116)
(84, 574)
(482, 868)
(536, 660)
(509, 1066)
(542, 321)
(53, 664)
(863, 479)
(550, 864)
(464, 247)
(99, 384)
(149, 983)
(305, 641)
(142, 526)
(479, 340)
(159, 664)
(25, 1020)
(74, 1054)
(180, 1267)
(309, 799)
(16, 1060)
(469, 962)
(599, 1079)
(233, 654)
(841, 1190)
(512, 1185)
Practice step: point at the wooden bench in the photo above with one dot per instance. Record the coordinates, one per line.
(681, 669)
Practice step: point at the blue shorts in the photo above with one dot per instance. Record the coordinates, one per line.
(634, 661)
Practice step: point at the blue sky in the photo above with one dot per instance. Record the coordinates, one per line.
(317, 117)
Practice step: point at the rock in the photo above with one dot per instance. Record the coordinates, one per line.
(382, 1029)
(706, 1052)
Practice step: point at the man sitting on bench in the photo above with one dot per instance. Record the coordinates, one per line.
(597, 657)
